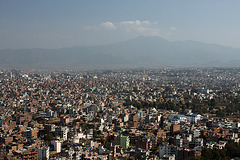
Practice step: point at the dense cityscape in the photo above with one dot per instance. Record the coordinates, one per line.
(169, 113)
(119, 80)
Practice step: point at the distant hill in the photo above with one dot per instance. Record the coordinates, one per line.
(139, 52)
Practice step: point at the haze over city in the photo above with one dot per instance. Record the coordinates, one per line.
(58, 24)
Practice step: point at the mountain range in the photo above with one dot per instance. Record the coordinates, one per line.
(138, 52)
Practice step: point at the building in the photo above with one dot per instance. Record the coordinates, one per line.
(167, 150)
(175, 128)
(43, 152)
(3, 150)
(193, 118)
(57, 146)
(49, 128)
(61, 132)
(25, 155)
(236, 125)
(31, 133)
(124, 141)
(6, 140)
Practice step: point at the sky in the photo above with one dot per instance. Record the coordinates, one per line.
(61, 23)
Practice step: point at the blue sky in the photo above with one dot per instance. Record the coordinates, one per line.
(61, 23)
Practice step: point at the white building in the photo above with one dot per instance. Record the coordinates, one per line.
(125, 118)
(177, 118)
(172, 157)
(193, 118)
(57, 146)
(77, 137)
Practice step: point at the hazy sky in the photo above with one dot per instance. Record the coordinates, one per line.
(67, 23)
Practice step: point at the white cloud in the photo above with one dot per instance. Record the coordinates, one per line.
(108, 25)
(145, 28)
(135, 23)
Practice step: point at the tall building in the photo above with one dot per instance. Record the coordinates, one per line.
(43, 152)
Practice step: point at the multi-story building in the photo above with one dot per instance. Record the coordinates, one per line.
(31, 133)
(61, 132)
(43, 152)
(57, 146)
(166, 149)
